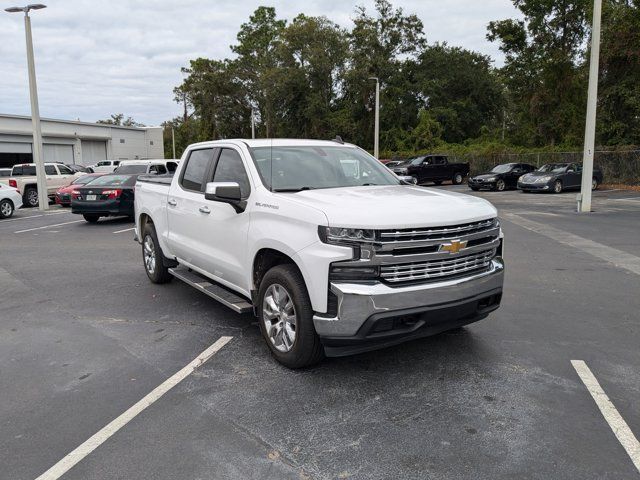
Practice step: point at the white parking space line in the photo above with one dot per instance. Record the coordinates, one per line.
(614, 419)
(48, 226)
(125, 230)
(31, 216)
(103, 435)
(609, 254)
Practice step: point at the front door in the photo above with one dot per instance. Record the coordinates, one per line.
(572, 177)
(225, 229)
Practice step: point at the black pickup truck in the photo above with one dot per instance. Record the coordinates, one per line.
(433, 168)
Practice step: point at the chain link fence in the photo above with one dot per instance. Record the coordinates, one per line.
(617, 166)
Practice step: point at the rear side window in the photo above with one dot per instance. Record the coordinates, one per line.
(231, 169)
(195, 170)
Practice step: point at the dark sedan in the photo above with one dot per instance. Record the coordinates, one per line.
(500, 177)
(106, 196)
(557, 177)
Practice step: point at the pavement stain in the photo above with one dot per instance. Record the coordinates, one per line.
(86, 375)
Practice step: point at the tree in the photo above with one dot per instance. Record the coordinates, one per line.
(118, 119)
(544, 71)
(619, 90)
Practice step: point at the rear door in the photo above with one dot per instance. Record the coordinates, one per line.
(185, 199)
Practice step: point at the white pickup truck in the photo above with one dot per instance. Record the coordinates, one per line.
(328, 248)
(23, 177)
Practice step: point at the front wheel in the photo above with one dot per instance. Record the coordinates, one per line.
(557, 186)
(286, 318)
(594, 183)
(457, 178)
(500, 185)
(6, 208)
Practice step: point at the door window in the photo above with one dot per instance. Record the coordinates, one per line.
(195, 170)
(50, 170)
(231, 169)
(65, 170)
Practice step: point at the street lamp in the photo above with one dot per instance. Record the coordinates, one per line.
(584, 199)
(376, 138)
(43, 199)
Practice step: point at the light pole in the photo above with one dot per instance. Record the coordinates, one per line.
(584, 199)
(43, 199)
(376, 138)
(253, 123)
(173, 142)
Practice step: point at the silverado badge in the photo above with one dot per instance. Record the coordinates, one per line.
(452, 247)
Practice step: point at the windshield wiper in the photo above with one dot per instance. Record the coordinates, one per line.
(285, 190)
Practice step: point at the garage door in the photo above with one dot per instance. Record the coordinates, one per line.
(58, 153)
(93, 151)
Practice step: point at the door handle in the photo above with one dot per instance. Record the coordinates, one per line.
(204, 210)
(172, 202)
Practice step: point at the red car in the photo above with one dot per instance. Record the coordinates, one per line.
(63, 195)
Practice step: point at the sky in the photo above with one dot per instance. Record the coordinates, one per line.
(99, 57)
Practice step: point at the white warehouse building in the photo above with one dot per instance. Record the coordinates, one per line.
(82, 143)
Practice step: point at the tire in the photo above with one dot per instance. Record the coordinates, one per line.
(6, 208)
(594, 183)
(305, 349)
(438, 182)
(457, 178)
(30, 197)
(475, 189)
(152, 257)
(557, 186)
(91, 218)
(501, 185)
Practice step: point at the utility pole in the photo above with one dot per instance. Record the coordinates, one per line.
(253, 124)
(41, 178)
(173, 141)
(584, 198)
(376, 138)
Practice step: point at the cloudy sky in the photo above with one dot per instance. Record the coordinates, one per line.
(98, 57)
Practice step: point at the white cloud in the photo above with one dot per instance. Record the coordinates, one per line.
(95, 58)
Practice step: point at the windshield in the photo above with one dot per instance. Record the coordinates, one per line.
(302, 168)
(502, 168)
(113, 180)
(131, 169)
(416, 161)
(553, 167)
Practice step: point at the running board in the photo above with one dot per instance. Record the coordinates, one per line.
(214, 290)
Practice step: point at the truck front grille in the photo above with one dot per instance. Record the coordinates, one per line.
(437, 269)
(436, 233)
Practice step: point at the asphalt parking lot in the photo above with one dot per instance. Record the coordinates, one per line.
(84, 336)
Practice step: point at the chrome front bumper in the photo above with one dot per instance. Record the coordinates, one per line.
(359, 302)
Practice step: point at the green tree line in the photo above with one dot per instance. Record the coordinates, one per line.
(311, 78)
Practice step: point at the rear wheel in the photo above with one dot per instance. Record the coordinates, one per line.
(500, 185)
(6, 208)
(30, 198)
(91, 218)
(286, 318)
(557, 187)
(457, 178)
(152, 257)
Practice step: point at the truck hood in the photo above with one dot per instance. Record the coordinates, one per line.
(395, 206)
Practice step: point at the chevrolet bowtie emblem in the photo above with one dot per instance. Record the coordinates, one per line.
(453, 247)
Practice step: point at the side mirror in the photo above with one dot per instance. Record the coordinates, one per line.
(225, 192)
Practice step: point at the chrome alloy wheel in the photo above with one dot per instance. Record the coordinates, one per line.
(594, 184)
(32, 198)
(279, 317)
(149, 253)
(6, 209)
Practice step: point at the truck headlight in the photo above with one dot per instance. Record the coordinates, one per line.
(346, 236)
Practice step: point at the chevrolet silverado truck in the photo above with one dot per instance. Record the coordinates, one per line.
(331, 251)
(23, 177)
(433, 168)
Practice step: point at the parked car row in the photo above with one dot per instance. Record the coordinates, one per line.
(553, 177)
